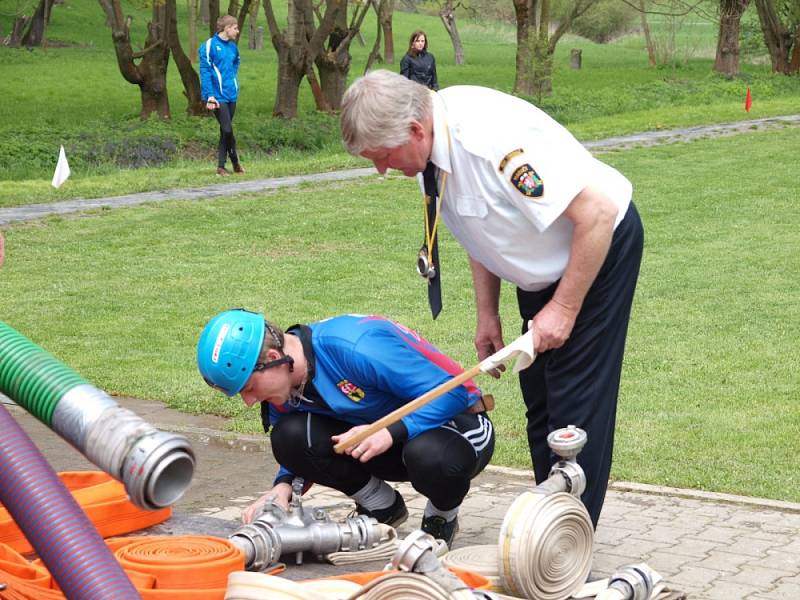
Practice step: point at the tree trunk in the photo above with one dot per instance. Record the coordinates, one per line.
(213, 15)
(289, 78)
(730, 16)
(14, 40)
(648, 39)
(522, 72)
(204, 11)
(37, 30)
(448, 16)
(375, 53)
(150, 74)
(193, 42)
(255, 40)
(243, 13)
(191, 80)
(779, 39)
(385, 15)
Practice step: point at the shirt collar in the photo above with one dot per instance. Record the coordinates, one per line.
(440, 150)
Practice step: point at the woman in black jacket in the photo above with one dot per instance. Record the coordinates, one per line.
(418, 64)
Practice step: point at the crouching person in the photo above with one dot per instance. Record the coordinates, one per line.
(320, 383)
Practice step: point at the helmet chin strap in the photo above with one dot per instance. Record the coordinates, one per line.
(284, 359)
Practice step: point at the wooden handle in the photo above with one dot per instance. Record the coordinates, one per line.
(401, 412)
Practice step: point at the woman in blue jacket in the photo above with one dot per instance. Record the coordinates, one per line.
(418, 64)
(318, 384)
(219, 66)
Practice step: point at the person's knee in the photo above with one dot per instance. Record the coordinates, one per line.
(435, 463)
(288, 437)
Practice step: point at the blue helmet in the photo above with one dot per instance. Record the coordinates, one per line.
(228, 349)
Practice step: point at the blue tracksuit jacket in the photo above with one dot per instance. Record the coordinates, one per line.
(219, 66)
(364, 367)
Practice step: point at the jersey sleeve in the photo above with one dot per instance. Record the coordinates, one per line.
(542, 180)
(204, 55)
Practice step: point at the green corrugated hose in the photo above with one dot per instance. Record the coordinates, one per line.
(31, 377)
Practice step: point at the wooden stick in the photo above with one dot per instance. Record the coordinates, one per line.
(401, 412)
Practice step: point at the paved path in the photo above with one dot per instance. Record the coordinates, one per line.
(36, 211)
(712, 546)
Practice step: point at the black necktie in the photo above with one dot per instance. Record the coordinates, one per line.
(431, 205)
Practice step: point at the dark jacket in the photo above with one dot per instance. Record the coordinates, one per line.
(420, 68)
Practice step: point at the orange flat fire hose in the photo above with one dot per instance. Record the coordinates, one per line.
(191, 567)
(160, 568)
(103, 499)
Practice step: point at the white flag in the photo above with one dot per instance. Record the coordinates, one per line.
(62, 170)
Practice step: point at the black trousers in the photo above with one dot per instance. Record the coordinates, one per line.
(227, 141)
(439, 463)
(578, 383)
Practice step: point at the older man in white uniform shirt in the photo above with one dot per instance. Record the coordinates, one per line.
(530, 206)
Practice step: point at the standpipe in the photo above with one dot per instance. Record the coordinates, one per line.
(545, 542)
(277, 532)
(156, 467)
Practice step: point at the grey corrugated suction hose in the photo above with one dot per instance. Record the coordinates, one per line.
(156, 467)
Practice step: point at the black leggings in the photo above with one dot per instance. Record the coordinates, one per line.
(439, 463)
(227, 141)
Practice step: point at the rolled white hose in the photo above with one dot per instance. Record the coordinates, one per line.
(408, 586)
(477, 559)
(244, 585)
(545, 546)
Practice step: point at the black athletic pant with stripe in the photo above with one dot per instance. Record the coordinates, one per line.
(439, 462)
(227, 141)
(578, 383)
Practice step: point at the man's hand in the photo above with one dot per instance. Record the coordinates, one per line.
(281, 494)
(212, 103)
(552, 326)
(489, 339)
(378, 443)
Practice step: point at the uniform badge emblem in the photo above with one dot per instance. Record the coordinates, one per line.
(352, 391)
(527, 181)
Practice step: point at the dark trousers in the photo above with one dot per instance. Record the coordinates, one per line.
(578, 383)
(439, 462)
(227, 141)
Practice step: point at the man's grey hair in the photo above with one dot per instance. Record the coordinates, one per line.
(377, 110)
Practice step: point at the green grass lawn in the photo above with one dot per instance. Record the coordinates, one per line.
(710, 388)
(74, 95)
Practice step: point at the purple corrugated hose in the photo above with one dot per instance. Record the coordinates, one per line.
(54, 524)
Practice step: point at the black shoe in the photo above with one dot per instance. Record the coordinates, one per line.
(393, 516)
(440, 529)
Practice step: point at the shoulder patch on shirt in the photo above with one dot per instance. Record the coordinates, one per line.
(507, 158)
(352, 391)
(527, 181)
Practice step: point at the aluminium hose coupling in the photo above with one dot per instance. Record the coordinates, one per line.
(566, 475)
(417, 554)
(634, 582)
(155, 466)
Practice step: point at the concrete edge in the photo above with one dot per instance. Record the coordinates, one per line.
(251, 443)
(662, 490)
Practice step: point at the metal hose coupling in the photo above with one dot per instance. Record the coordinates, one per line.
(631, 582)
(277, 532)
(417, 554)
(156, 467)
(566, 475)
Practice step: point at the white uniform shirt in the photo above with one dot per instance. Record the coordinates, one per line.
(512, 172)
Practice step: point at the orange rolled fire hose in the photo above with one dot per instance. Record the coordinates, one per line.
(105, 502)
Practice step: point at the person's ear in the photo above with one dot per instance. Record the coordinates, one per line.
(417, 130)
